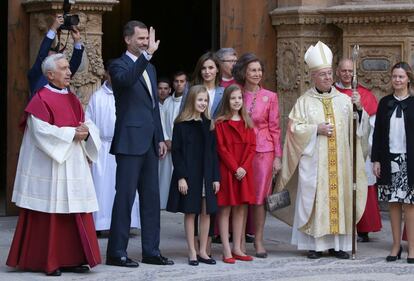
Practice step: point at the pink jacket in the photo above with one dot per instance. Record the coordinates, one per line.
(265, 115)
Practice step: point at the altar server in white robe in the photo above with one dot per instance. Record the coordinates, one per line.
(169, 111)
(101, 110)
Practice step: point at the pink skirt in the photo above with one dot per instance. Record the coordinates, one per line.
(262, 175)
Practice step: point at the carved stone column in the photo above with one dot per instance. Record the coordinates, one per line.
(88, 77)
(385, 34)
(298, 28)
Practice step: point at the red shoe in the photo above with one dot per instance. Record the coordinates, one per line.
(242, 258)
(229, 260)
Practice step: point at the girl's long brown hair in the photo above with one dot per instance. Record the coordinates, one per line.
(189, 112)
(225, 112)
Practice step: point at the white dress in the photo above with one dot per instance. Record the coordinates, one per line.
(169, 111)
(101, 110)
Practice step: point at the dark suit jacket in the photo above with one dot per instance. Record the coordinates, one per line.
(36, 78)
(138, 120)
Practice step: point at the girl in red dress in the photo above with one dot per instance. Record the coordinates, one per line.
(236, 144)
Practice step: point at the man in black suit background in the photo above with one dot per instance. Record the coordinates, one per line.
(137, 142)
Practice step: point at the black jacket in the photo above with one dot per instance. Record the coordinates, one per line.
(194, 158)
(381, 142)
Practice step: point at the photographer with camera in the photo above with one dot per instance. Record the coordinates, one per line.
(36, 79)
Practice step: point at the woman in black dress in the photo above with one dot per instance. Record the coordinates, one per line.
(393, 157)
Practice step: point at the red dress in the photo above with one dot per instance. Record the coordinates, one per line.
(236, 146)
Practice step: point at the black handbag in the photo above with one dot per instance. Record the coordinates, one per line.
(277, 200)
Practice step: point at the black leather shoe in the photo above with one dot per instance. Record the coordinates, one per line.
(216, 239)
(249, 238)
(122, 261)
(338, 254)
(158, 260)
(206, 261)
(363, 237)
(76, 269)
(314, 255)
(397, 257)
(193, 262)
(57, 272)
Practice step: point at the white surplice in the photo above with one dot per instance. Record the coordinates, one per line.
(101, 110)
(169, 111)
(53, 174)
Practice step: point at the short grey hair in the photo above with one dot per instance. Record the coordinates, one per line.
(221, 53)
(49, 64)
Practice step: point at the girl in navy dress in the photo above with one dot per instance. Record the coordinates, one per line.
(195, 179)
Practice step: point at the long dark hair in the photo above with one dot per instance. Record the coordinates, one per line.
(197, 78)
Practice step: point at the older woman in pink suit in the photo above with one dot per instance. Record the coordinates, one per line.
(263, 108)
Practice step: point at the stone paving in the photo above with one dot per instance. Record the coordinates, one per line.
(284, 262)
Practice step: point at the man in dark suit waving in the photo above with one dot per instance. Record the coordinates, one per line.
(137, 142)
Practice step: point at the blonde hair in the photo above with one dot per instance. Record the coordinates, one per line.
(189, 111)
(225, 112)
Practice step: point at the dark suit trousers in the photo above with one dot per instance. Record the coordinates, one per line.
(132, 173)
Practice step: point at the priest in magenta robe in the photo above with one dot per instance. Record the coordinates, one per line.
(53, 187)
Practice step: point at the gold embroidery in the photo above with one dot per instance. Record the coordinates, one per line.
(333, 169)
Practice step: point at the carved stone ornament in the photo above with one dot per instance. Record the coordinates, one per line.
(288, 56)
(378, 81)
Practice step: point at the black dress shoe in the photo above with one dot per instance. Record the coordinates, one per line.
(363, 237)
(338, 254)
(76, 269)
(249, 238)
(193, 262)
(122, 261)
(216, 239)
(206, 261)
(398, 256)
(57, 272)
(158, 260)
(314, 255)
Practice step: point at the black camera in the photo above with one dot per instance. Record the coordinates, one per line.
(68, 20)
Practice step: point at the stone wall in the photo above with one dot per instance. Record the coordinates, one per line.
(383, 30)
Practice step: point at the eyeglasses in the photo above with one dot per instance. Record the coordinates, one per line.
(231, 61)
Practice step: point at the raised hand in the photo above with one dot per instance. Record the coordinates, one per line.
(75, 34)
(57, 22)
(152, 44)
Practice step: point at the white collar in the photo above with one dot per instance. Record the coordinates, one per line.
(400, 99)
(63, 91)
(227, 79)
(340, 85)
(107, 89)
(131, 55)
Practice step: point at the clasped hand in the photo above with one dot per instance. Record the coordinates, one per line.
(325, 129)
(81, 132)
